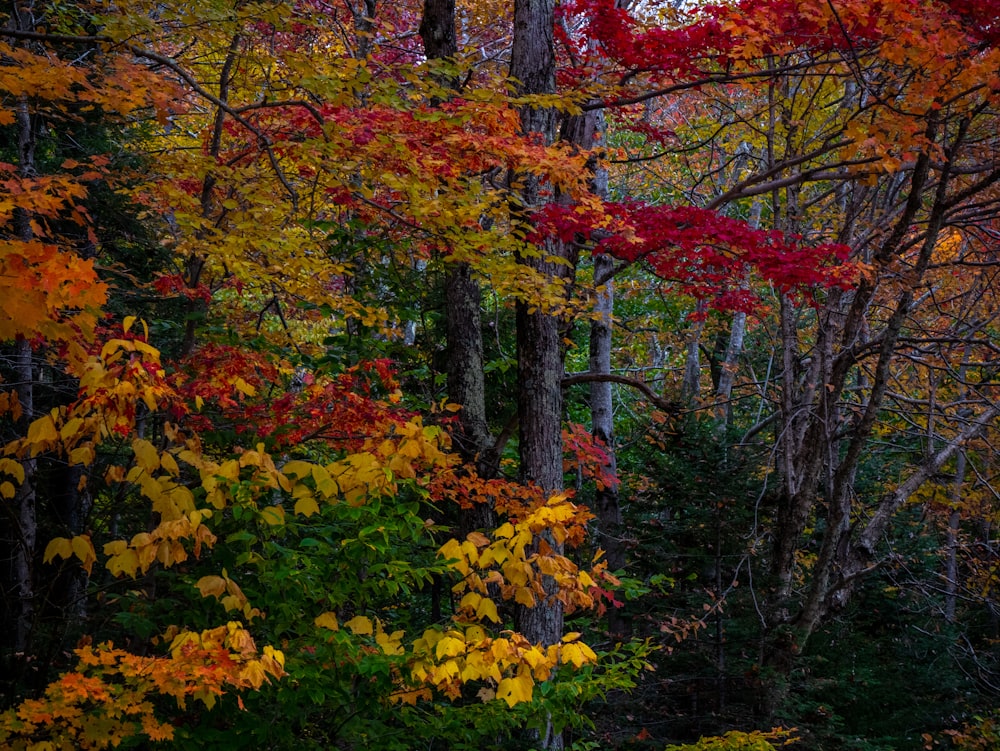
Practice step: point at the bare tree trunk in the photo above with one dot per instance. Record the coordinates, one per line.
(691, 384)
(25, 512)
(606, 501)
(463, 301)
(951, 541)
(821, 449)
(25, 500)
(437, 29)
(730, 363)
(363, 12)
(539, 333)
(586, 131)
(955, 517)
(734, 349)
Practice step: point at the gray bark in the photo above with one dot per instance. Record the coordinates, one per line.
(466, 378)
(691, 383)
(955, 516)
(951, 541)
(820, 446)
(539, 335)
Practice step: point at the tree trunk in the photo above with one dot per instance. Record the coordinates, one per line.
(539, 333)
(25, 535)
(586, 131)
(951, 541)
(606, 501)
(955, 517)
(437, 29)
(691, 384)
(463, 300)
(822, 444)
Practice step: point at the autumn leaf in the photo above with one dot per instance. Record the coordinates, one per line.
(515, 690)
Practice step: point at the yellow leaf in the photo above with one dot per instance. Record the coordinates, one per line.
(253, 673)
(515, 690)
(115, 547)
(325, 484)
(471, 600)
(250, 458)
(13, 468)
(275, 656)
(41, 430)
(60, 546)
(327, 620)
(125, 563)
(578, 654)
(488, 609)
(168, 463)
(82, 455)
(7, 490)
(211, 585)
(474, 634)
(297, 468)
(127, 323)
(71, 427)
(244, 388)
(83, 548)
(230, 470)
(146, 454)
(390, 643)
(524, 597)
(360, 626)
(449, 646)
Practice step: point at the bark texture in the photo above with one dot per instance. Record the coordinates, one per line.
(539, 333)
(466, 379)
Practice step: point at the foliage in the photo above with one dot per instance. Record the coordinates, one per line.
(228, 460)
(737, 741)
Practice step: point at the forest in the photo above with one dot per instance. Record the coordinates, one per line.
(469, 374)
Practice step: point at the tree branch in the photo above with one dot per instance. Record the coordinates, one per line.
(665, 404)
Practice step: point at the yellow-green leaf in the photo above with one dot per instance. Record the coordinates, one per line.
(306, 506)
(273, 515)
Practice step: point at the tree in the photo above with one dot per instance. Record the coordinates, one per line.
(227, 433)
(293, 445)
(875, 141)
